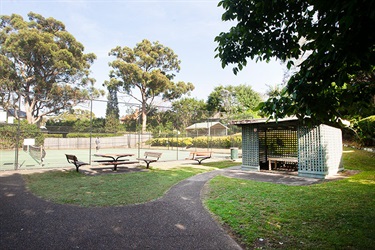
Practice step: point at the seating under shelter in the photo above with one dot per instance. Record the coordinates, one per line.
(289, 144)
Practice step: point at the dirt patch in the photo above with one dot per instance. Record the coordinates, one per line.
(348, 173)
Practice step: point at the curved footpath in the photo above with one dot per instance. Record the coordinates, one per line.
(178, 220)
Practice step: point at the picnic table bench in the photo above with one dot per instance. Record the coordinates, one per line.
(275, 160)
(150, 157)
(74, 160)
(199, 156)
(114, 160)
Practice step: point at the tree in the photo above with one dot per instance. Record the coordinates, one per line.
(112, 112)
(148, 68)
(43, 66)
(335, 79)
(187, 111)
(112, 104)
(234, 100)
(73, 115)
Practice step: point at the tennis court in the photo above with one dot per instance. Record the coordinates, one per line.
(55, 158)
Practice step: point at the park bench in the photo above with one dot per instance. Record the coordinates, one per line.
(73, 160)
(286, 160)
(199, 156)
(150, 157)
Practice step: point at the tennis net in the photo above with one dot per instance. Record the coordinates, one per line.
(36, 152)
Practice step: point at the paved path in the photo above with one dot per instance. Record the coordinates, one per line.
(176, 221)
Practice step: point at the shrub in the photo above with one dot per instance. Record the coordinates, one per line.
(199, 142)
(9, 134)
(366, 130)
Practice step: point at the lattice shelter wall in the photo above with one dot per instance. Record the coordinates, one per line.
(250, 148)
(278, 143)
(319, 151)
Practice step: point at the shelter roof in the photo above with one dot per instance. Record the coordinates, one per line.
(206, 125)
(290, 123)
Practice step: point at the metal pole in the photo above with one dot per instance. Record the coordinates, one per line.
(90, 131)
(177, 144)
(139, 133)
(18, 135)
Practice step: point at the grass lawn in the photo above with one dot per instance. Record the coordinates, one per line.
(331, 215)
(70, 187)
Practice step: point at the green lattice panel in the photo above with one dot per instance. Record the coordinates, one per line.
(250, 146)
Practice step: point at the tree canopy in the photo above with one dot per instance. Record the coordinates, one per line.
(43, 66)
(335, 38)
(148, 68)
(188, 111)
(234, 101)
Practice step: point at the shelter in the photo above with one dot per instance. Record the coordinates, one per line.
(314, 151)
(207, 128)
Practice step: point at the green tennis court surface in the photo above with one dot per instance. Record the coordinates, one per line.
(56, 158)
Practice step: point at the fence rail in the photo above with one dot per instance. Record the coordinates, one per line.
(125, 141)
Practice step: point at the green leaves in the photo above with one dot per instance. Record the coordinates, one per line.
(329, 41)
(46, 61)
(149, 69)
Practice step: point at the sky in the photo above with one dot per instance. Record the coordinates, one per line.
(188, 27)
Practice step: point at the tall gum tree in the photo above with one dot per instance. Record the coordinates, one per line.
(149, 69)
(42, 66)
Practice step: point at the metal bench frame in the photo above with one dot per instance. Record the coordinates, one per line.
(199, 156)
(74, 160)
(154, 158)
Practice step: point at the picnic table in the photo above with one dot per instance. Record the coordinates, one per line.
(114, 159)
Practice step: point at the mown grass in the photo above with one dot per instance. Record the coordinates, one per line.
(221, 164)
(331, 215)
(70, 187)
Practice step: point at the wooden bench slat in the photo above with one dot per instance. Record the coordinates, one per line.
(150, 160)
(119, 163)
(99, 161)
(280, 159)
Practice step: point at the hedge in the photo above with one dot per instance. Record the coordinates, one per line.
(200, 142)
(366, 130)
(9, 133)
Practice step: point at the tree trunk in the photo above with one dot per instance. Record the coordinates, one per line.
(144, 118)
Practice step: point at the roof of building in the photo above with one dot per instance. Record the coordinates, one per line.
(266, 123)
(263, 120)
(206, 125)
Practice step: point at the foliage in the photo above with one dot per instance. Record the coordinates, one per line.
(112, 104)
(9, 134)
(160, 121)
(187, 111)
(72, 187)
(112, 113)
(112, 124)
(199, 142)
(366, 130)
(43, 65)
(236, 101)
(72, 115)
(97, 125)
(148, 68)
(336, 79)
(273, 216)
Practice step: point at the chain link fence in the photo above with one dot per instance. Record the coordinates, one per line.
(175, 134)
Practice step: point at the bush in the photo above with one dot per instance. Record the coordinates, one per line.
(366, 130)
(199, 142)
(9, 133)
